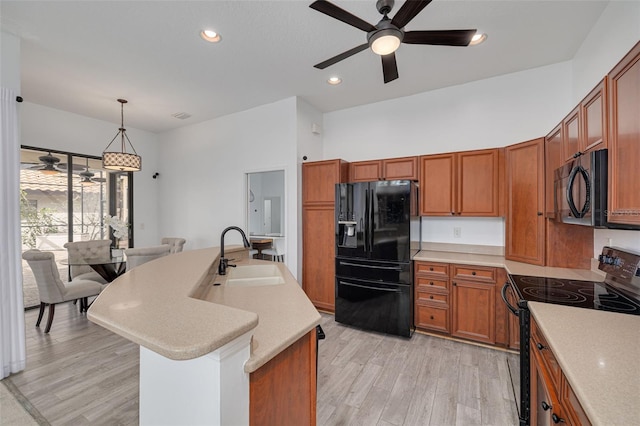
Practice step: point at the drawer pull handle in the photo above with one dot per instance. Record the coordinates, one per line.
(431, 316)
(430, 282)
(540, 346)
(473, 272)
(430, 297)
(431, 269)
(545, 406)
(556, 418)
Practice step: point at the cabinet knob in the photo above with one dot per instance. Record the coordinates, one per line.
(545, 406)
(430, 297)
(452, 213)
(431, 317)
(431, 269)
(556, 418)
(454, 283)
(540, 346)
(473, 272)
(430, 282)
(540, 213)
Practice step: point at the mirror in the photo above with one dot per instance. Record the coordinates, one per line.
(265, 203)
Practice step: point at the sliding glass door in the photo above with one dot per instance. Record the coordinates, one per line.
(65, 197)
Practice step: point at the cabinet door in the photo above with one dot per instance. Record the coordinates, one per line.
(624, 140)
(319, 179)
(405, 168)
(437, 185)
(318, 265)
(473, 311)
(542, 402)
(571, 133)
(432, 317)
(552, 160)
(365, 171)
(595, 119)
(525, 202)
(477, 182)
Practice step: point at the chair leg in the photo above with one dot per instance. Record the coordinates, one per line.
(52, 310)
(85, 303)
(42, 305)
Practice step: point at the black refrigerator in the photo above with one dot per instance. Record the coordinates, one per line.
(377, 234)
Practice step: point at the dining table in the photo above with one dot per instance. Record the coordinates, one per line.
(109, 267)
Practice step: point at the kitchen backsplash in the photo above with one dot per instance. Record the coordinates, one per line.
(484, 231)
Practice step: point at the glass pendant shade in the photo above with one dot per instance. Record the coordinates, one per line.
(121, 160)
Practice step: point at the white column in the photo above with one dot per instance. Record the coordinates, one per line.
(210, 390)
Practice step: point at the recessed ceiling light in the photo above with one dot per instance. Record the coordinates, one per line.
(210, 36)
(334, 80)
(477, 39)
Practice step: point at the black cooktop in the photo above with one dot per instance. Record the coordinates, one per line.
(582, 294)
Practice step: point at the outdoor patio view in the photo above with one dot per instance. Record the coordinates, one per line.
(65, 198)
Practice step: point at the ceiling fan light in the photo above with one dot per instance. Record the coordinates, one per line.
(86, 181)
(384, 42)
(49, 170)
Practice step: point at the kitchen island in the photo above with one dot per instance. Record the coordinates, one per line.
(204, 347)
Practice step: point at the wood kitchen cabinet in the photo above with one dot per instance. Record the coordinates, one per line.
(571, 134)
(624, 140)
(462, 183)
(431, 285)
(525, 227)
(283, 391)
(318, 229)
(552, 399)
(595, 117)
(474, 303)
(404, 168)
(552, 160)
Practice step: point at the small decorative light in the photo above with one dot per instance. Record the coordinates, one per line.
(477, 39)
(210, 36)
(334, 80)
(121, 160)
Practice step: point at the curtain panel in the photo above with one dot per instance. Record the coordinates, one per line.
(12, 334)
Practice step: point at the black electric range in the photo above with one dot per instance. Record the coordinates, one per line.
(619, 292)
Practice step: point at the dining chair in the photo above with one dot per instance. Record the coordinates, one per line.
(138, 256)
(52, 290)
(87, 250)
(176, 244)
(277, 251)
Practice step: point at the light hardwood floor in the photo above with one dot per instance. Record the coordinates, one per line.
(82, 374)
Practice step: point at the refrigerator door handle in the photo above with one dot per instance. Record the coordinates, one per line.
(386, 268)
(371, 221)
(366, 220)
(390, 290)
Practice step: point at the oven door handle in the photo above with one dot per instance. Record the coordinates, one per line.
(389, 290)
(513, 310)
(386, 268)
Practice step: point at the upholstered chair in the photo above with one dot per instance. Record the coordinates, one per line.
(138, 256)
(176, 244)
(87, 250)
(52, 290)
(277, 251)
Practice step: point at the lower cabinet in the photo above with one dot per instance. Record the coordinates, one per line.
(318, 264)
(457, 300)
(283, 391)
(552, 399)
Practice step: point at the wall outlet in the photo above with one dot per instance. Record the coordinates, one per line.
(457, 232)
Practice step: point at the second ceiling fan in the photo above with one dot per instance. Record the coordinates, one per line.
(385, 37)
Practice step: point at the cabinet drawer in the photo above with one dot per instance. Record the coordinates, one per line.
(432, 269)
(474, 273)
(433, 318)
(431, 284)
(429, 297)
(540, 345)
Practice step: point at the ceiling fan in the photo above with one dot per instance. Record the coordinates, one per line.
(385, 37)
(48, 164)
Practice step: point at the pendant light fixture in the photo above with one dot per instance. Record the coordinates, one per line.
(121, 160)
(86, 176)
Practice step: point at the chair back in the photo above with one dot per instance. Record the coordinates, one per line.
(85, 250)
(43, 264)
(279, 244)
(176, 244)
(138, 256)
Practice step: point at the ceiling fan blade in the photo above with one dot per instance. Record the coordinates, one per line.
(408, 11)
(341, 15)
(442, 38)
(344, 55)
(389, 67)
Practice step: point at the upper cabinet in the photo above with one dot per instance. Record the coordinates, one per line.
(553, 159)
(624, 140)
(571, 132)
(319, 179)
(404, 168)
(460, 184)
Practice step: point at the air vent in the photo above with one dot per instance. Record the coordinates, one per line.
(181, 115)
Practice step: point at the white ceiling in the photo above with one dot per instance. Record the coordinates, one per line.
(80, 56)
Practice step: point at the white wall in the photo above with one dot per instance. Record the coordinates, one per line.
(202, 178)
(45, 127)
(614, 34)
(10, 61)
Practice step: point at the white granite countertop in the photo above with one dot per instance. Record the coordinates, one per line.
(598, 352)
(160, 306)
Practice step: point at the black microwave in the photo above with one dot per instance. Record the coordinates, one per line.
(581, 190)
